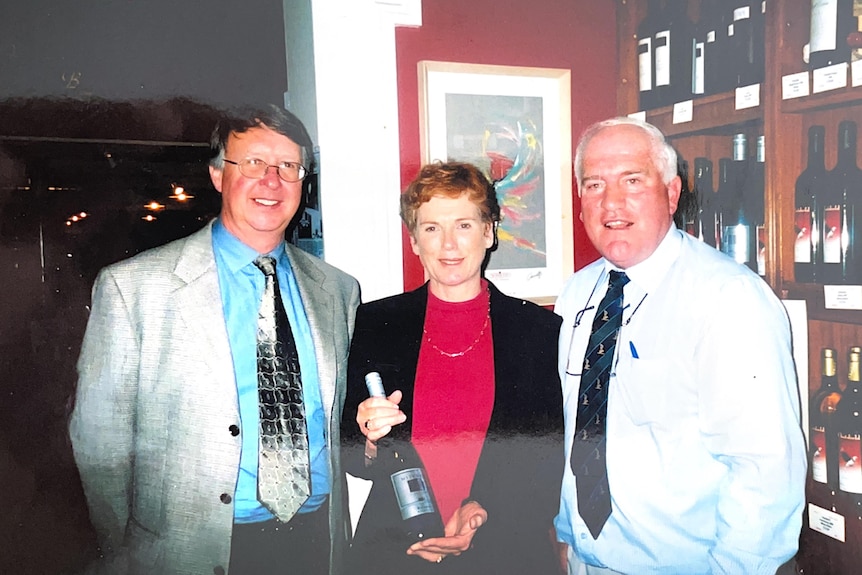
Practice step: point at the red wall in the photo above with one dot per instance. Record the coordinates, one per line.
(576, 34)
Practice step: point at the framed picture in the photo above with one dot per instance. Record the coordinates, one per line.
(515, 124)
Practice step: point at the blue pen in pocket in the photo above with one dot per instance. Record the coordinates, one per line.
(634, 350)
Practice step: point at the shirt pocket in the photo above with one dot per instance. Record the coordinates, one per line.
(641, 386)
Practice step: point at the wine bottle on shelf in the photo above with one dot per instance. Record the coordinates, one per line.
(806, 253)
(724, 196)
(736, 227)
(849, 423)
(646, 56)
(832, 22)
(746, 33)
(704, 192)
(413, 496)
(686, 215)
(672, 43)
(754, 191)
(718, 68)
(843, 190)
(824, 444)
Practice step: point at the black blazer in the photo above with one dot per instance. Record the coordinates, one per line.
(520, 468)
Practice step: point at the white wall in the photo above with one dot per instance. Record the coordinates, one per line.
(351, 108)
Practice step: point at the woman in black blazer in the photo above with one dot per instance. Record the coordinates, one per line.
(473, 383)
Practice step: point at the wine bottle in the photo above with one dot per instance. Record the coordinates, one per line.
(413, 496)
(672, 43)
(707, 201)
(754, 190)
(646, 56)
(724, 196)
(736, 227)
(843, 191)
(832, 21)
(718, 68)
(686, 215)
(746, 34)
(849, 427)
(806, 253)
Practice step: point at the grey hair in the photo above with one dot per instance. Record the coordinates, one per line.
(663, 154)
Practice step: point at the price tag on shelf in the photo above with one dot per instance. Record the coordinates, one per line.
(683, 112)
(842, 297)
(747, 97)
(856, 73)
(826, 522)
(829, 78)
(638, 115)
(795, 86)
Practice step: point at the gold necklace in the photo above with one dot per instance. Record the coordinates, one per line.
(469, 347)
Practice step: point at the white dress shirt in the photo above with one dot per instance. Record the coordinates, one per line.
(705, 452)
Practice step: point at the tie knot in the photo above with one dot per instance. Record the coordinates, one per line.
(266, 264)
(618, 279)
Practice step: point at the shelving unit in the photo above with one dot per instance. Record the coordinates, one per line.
(784, 123)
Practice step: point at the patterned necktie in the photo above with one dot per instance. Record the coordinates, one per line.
(283, 475)
(588, 449)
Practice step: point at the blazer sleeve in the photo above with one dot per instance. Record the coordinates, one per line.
(103, 420)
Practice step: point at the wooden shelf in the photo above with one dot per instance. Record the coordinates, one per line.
(714, 114)
(823, 101)
(813, 296)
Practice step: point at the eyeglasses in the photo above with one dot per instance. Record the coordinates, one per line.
(256, 168)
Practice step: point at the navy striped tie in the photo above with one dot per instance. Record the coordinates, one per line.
(588, 449)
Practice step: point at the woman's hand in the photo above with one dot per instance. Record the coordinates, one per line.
(376, 415)
(459, 534)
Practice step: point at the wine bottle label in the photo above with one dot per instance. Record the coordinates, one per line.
(735, 242)
(818, 458)
(412, 493)
(824, 25)
(832, 234)
(645, 64)
(802, 247)
(730, 30)
(662, 58)
(710, 37)
(741, 13)
(697, 69)
(762, 242)
(850, 463)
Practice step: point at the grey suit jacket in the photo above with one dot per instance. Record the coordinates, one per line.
(156, 400)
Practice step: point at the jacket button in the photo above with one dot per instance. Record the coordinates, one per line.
(234, 430)
(218, 570)
(225, 498)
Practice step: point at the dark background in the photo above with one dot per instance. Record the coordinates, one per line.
(105, 106)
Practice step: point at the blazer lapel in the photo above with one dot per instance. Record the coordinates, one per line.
(199, 302)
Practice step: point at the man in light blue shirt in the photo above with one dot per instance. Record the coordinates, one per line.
(705, 455)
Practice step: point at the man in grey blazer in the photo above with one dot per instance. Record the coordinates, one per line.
(165, 424)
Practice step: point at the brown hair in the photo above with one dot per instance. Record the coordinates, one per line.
(450, 180)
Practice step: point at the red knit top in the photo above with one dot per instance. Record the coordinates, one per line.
(453, 395)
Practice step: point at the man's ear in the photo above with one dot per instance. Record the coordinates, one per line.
(216, 175)
(674, 189)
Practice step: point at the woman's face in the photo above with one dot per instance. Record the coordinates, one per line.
(450, 240)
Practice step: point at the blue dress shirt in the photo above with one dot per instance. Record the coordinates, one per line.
(705, 453)
(242, 285)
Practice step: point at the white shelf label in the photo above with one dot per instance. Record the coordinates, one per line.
(795, 86)
(747, 97)
(826, 522)
(829, 78)
(856, 73)
(638, 115)
(683, 112)
(842, 297)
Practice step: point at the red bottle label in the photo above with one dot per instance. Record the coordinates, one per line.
(850, 463)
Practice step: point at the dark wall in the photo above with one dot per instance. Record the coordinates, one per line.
(216, 51)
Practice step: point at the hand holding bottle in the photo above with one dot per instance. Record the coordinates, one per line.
(376, 415)
(459, 532)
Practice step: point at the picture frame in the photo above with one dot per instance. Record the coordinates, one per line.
(514, 123)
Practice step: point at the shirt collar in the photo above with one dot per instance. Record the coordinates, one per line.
(649, 273)
(236, 254)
